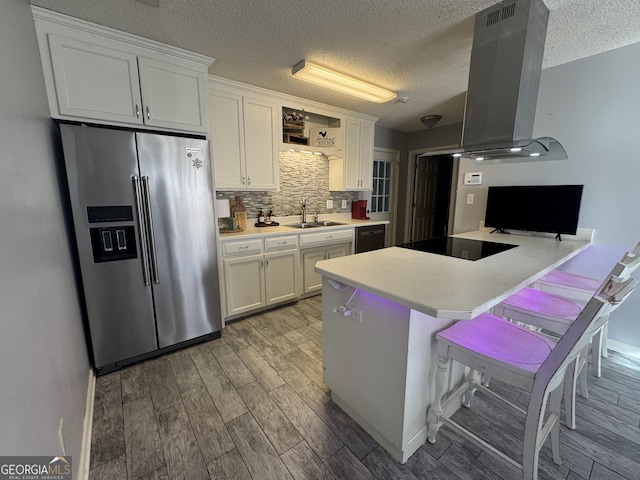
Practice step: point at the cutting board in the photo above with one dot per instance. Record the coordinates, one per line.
(239, 211)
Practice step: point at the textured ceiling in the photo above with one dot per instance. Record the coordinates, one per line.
(418, 48)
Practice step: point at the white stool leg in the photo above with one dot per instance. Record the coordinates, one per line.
(570, 383)
(605, 333)
(555, 399)
(582, 371)
(435, 410)
(597, 352)
(473, 378)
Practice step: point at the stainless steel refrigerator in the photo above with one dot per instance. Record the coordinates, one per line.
(143, 215)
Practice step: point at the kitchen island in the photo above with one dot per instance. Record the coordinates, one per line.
(382, 310)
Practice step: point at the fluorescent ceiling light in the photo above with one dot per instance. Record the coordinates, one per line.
(320, 75)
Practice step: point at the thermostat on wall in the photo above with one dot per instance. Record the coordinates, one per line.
(474, 178)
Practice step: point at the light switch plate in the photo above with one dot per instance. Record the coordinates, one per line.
(470, 198)
(344, 204)
(329, 203)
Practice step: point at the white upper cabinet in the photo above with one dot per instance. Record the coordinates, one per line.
(104, 76)
(244, 131)
(354, 170)
(226, 126)
(260, 134)
(95, 82)
(173, 94)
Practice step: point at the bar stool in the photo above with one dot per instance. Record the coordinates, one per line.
(568, 285)
(495, 347)
(556, 314)
(579, 289)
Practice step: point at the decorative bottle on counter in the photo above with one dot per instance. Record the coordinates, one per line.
(261, 217)
(269, 218)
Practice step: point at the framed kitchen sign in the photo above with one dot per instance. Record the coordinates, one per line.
(324, 137)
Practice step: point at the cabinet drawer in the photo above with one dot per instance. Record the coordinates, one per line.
(248, 246)
(281, 243)
(331, 236)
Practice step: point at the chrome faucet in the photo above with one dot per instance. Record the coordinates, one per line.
(304, 210)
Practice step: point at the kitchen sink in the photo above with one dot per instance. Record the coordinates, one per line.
(303, 225)
(328, 224)
(313, 224)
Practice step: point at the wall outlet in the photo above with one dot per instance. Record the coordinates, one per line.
(356, 314)
(329, 203)
(344, 204)
(349, 312)
(470, 198)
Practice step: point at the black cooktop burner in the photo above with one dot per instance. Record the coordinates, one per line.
(459, 247)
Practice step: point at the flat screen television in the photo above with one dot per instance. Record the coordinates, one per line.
(535, 208)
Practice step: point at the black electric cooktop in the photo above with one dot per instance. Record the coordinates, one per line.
(458, 247)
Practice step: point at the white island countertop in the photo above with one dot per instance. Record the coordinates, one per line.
(449, 287)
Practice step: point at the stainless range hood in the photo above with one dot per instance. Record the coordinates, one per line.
(504, 76)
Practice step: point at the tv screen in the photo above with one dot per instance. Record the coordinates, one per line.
(538, 208)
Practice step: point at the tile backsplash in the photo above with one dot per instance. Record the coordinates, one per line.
(301, 175)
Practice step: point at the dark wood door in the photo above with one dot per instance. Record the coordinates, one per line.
(431, 195)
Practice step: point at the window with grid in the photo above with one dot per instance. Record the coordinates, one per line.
(381, 193)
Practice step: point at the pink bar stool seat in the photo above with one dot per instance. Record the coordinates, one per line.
(571, 280)
(497, 338)
(569, 285)
(545, 304)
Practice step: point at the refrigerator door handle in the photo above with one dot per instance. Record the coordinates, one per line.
(141, 229)
(152, 238)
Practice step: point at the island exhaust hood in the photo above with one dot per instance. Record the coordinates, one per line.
(504, 76)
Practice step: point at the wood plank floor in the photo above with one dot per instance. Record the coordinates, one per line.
(252, 405)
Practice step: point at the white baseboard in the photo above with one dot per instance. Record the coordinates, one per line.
(623, 348)
(82, 472)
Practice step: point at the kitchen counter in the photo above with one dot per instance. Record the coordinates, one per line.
(448, 287)
(283, 228)
(379, 359)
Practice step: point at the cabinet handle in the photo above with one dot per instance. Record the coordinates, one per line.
(267, 260)
(148, 114)
(243, 247)
(137, 111)
(261, 263)
(248, 181)
(329, 237)
(243, 179)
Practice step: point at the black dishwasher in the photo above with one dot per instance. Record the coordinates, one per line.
(370, 237)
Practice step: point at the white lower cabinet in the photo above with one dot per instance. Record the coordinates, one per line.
(263, 271)
(257, 276)
(312, 281)
(281, 276)
(244, 283)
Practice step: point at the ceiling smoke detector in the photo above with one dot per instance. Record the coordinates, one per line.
(430, 121)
